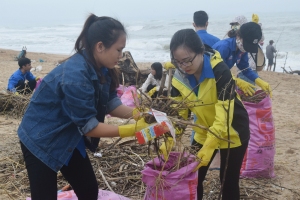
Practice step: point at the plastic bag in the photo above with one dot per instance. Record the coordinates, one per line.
(102, 195)
(259, 158)
(169, 183)
(129, 97)
(120, 90)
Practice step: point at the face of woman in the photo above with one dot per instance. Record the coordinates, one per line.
(153, 72)
(109, 57)
(187, 60)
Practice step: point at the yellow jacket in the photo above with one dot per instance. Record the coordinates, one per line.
(213, 96)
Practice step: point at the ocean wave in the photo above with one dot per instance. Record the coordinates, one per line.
(134, 28)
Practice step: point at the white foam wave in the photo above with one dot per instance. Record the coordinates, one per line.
(134, 28)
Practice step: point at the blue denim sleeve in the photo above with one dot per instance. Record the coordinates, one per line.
(79, 105)
(113, 101)
(244, 67)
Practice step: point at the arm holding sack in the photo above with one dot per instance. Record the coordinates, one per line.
(246, 87)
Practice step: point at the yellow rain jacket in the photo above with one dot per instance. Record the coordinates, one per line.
(211, 100)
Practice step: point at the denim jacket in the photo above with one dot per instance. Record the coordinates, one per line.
(69, 103)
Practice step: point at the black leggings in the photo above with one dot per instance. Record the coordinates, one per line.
(43, 180)
(25, 88)
(231, 189)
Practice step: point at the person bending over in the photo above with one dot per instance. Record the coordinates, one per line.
(153, 82)
(22, 81)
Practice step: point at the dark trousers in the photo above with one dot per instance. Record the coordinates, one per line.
(25, 88)
(43, 180)
(231, 189)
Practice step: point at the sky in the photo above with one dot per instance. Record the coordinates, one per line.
(39, 12)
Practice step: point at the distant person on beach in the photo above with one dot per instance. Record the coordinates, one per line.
(234, 51)
(66, 113)
(22, 81)
(153, 82)
(201, 24)
(202, 77)
(270, 50)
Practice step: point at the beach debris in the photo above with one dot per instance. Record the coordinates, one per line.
(132, 75)
(39, 68)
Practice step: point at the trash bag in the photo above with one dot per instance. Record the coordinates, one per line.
(129, 97)
(170, 183)
(259, 158)
(102, 195)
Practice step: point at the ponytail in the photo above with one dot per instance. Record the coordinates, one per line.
(96, 29)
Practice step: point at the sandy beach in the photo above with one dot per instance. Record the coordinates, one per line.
(286, 113)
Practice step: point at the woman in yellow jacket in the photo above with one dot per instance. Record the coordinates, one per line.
(206, 83)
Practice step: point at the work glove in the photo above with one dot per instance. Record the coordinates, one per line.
(153, 90)
(205, 153)
(137, 113)
(169, 65)
(264, 86)
(129, 130)
(246, 87)
(166, 147)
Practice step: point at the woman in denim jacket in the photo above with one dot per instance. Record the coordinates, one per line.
(67, 112)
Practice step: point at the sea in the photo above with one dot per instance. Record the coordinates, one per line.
(148, 40)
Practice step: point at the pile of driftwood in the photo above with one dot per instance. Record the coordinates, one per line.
(12, 104)
(130, 74)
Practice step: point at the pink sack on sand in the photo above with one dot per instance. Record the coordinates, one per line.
(38, 83)
(102, 195)
(120, 90)
(259, 157)
(128, 98)
(169, 183)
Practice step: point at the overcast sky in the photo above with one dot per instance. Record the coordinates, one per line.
(37, 12)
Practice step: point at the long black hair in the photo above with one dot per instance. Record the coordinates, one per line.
(157, 66)
(233, 33)
(96, 29)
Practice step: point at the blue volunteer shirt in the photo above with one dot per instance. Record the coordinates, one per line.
(16, 77)
(231, 55)
(207, 38)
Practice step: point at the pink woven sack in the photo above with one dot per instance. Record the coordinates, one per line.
(259, 158)
(102, 195)
(169, 183)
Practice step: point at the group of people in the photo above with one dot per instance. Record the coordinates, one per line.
(66, 112)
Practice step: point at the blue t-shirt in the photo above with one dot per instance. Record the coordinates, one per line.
(16, 77)
(207, 38)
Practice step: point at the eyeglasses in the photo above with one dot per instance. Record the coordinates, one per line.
(184, 63)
